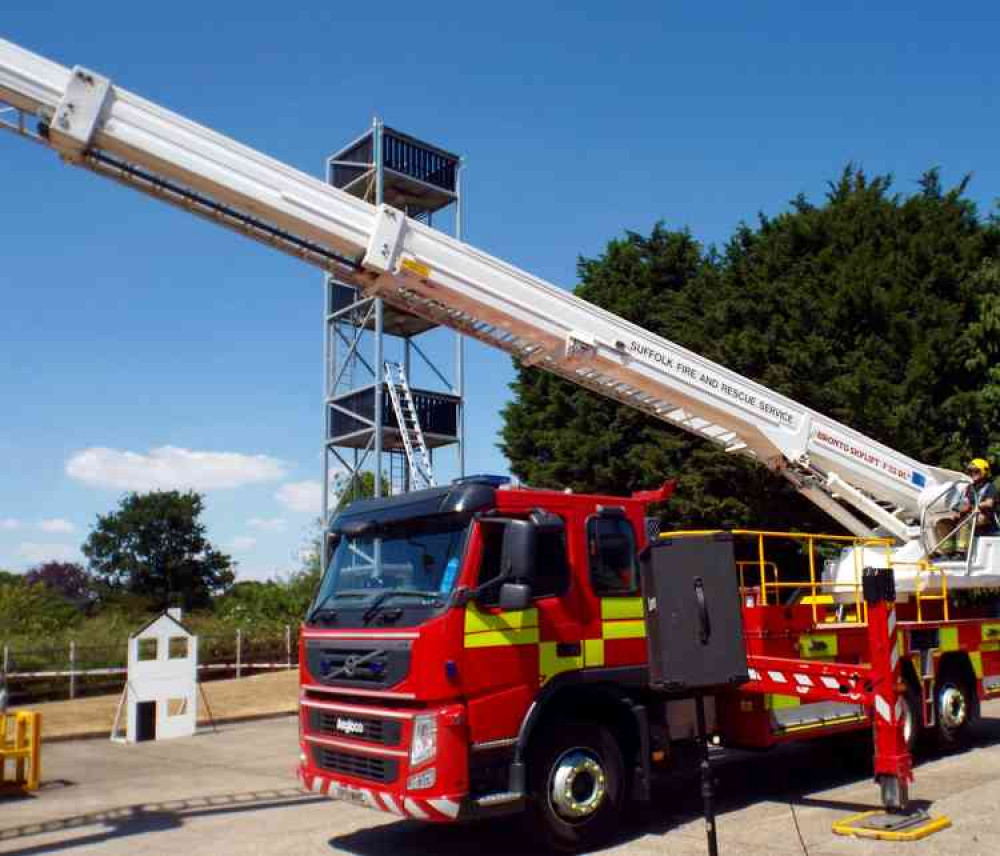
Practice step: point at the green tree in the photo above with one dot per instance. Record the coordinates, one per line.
(878, 310)
(155, 545)
(33, 610)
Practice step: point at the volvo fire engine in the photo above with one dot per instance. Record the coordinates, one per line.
(481, 648)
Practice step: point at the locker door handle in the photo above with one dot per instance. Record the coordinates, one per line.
(706, 625)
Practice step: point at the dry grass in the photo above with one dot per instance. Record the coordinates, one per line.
(260, 695)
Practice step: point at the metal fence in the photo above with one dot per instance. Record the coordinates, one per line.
(70, 671)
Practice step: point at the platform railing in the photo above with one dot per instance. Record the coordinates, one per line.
(769, 582)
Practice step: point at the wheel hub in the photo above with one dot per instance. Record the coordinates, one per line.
(578, 785)
(953, 708)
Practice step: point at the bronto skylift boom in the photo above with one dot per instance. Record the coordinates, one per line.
(866, 486)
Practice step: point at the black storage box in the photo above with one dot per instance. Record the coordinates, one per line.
(694, 626)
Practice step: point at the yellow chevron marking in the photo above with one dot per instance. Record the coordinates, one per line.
(976, 658)
(623, 630)
(948, 639)
(593, 652)
(497, 638)
(477, 621)
(621, 607)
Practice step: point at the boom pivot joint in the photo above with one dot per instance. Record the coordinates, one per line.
(78, 112)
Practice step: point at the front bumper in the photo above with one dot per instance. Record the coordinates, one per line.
(439, 809)
(360, 753)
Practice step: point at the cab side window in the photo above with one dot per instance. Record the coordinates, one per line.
(489, 561)
(613, 563)
(551, 568)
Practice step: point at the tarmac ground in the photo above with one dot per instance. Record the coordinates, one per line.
(235, 792)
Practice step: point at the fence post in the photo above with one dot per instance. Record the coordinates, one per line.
(72, 668)
(239, 652)
(288, 646)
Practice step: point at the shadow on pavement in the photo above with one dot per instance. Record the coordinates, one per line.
(145, 818)
(786, 774)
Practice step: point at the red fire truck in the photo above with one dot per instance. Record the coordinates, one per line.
(494, 658)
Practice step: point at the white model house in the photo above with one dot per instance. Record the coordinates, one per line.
(161, 695)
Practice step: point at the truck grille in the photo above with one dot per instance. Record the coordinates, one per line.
(376, 664)
(386, 732)
(382, 770)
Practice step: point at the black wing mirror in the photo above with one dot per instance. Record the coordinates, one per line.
(514, 596)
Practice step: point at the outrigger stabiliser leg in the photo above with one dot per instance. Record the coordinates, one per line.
(893, 764)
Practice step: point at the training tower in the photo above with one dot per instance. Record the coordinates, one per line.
(392, 394)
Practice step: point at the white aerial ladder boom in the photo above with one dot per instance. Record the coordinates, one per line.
(100, 126)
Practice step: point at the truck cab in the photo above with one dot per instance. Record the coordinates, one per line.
(451, 640)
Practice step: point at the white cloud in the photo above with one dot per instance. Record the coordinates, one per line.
(33, 552)
(57, 525)
(305, 497)
(169, 467)
(268, 524)
(9, 524)
(242, 543)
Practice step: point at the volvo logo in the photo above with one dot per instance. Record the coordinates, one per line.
(350, 726)
(351, 665)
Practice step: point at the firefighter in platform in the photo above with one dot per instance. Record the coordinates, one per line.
(978, 510)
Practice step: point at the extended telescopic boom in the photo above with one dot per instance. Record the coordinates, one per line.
(97, 125)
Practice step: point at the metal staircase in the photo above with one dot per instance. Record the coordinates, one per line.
(418, 457)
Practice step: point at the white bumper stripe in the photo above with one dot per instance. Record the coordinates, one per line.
(414, 810)
(449, 808)
(391, 804)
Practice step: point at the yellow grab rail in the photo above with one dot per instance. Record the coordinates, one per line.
(758, 538)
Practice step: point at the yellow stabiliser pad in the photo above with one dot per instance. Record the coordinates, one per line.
(891, 827)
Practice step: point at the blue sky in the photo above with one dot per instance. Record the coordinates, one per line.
(141, 346)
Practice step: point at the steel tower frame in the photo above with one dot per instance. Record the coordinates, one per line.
(359, 433)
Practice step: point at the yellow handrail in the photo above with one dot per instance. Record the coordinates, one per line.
(760, 536)
(925, 568)
(741, 566)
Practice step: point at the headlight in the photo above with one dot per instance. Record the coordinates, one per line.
(423, 747)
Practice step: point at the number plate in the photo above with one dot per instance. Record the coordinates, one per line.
(347, 793)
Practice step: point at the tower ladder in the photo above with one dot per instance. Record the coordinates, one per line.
(417, 454)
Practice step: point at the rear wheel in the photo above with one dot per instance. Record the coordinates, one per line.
(955, 707)
(578, 785)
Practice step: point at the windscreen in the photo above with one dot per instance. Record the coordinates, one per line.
(406, 563)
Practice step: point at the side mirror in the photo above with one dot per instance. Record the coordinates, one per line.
(517, 556)
(514, 596)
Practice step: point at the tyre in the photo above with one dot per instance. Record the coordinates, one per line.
(577, 777)
(955, 707)
(912, 717)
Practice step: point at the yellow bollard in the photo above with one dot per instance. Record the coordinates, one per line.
(21, 744)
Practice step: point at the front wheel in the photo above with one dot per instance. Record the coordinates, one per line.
(578, 785)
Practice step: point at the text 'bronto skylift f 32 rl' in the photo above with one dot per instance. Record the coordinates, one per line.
(481, 648)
